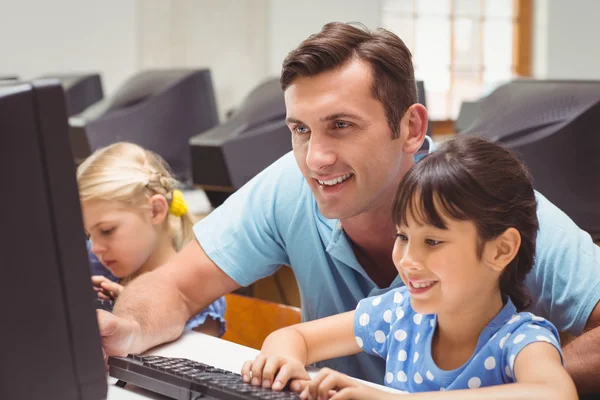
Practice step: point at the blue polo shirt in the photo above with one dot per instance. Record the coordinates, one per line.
(274, 220)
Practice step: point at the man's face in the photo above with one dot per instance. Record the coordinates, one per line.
(342, 141)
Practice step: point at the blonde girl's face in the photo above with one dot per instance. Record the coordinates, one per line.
(123, 238)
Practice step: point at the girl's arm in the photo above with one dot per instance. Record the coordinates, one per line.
(538, 371)
(286, 351)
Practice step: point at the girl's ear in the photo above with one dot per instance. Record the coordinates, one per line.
(498, 253)
(160, 208)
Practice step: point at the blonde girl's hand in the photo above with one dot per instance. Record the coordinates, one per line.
(105, 288)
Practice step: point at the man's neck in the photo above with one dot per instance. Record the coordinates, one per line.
(372, 236)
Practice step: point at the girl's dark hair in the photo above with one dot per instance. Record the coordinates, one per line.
(471, 178)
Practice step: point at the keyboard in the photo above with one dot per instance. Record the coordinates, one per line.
(103, 304)
(180, 378)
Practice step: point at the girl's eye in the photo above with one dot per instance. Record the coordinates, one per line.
(107, 232)
(401, 237)
(301, 130)
(432, 242)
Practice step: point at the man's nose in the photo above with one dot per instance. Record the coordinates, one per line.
(321, 153)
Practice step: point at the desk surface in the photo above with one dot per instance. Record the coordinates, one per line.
(198, 347)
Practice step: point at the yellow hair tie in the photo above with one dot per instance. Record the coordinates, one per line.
(178, 205)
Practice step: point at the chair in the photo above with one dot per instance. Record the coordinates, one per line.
(251, 320)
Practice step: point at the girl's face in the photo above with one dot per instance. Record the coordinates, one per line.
(441, 267)
(123, 238)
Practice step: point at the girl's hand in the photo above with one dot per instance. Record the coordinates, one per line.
(105, 288)
(329, 384)
(275, 372)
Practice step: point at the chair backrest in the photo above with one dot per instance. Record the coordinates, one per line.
(251, 320)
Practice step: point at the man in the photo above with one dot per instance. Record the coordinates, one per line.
(325, 211)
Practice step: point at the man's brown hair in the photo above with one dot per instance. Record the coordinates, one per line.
(338, 43)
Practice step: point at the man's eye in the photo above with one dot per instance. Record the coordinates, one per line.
(341, 124)
(301, 129)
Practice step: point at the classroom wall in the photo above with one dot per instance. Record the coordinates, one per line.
(38, 37)
(565, 36)
(292, 21)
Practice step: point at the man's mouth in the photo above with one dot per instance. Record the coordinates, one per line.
(335, 181)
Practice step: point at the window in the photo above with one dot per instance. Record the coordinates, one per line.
(461, 48)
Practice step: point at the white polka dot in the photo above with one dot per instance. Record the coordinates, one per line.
(389, 377)
(364, 319)
(418, 378)
(398, 298)
(536, 318)
(474, 383)
(359, 341)
(490, 363)
(417, 338)
(399, 313)
(532, 326)
(379, 337)
(519, 338)
(402, 356)
(507, 371)
(432, 322)
(387, 316)
(442, 389)
(511, 361)
(514, 319)
(402, 376)
(418, 318)
(430, 375)
(503, 340)
(543, 338)
(400, 335)
(416, 357)
(377, 300)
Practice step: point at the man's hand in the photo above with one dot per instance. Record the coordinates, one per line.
(117, 333)
(275, 372)
(105, 288)
(329, 384)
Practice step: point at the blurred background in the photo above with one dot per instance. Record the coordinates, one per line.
(464, 52)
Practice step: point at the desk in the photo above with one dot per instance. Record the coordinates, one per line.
(198, 347)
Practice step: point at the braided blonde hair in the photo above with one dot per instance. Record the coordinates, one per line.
(127, 173)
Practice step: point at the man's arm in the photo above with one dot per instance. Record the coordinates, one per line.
(155, 307)
(582, 356)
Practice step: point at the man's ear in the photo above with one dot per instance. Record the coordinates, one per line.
(413, 127)
(499, 252)
(159, 207)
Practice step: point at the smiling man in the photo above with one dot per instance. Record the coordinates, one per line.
(325, 210)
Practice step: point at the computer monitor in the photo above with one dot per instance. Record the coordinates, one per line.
(553, 125)
(81, 90)
(49, 329)
(227, 156)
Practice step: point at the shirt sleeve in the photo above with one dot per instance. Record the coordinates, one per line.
(245, 235)
(373, 320)
(531, 329)
(565, 280)
(215, 311)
